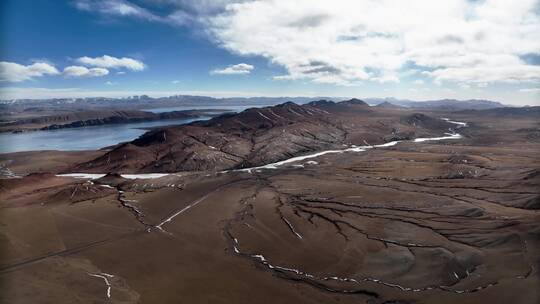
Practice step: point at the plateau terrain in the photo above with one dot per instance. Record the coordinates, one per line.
(325, 202)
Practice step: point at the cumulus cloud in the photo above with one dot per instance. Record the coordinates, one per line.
(419, 82)
(345, 43)
(14, 72)
(81, 71)
(111, 62)
(456, 40)
(241, 68)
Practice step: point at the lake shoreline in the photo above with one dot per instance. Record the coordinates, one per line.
(97, 134)
(99, 118)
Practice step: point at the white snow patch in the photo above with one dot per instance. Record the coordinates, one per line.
(82, 175)
(105, 277)
(352, 149)
(275, 114)
(290, 160)
(293, 111)
(292, 228)
(388, 144)
(264, 116)
(300, 158)
(450, 136)
(461, 124)
(145, 176)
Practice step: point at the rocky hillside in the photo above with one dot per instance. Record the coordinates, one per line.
(388, 105)
(259, 136)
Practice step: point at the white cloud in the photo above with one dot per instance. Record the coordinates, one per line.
(462, 41)
(482, 85)
(241, 68)
(459, 41)
(110, 83)
(201, 6)
(14, 72)
(80, 71)
(531, 90)
(387, 77)
(124, 8)
(175, 81)
(111, 62)
(115, 7)
(418, 82)
(464, 86)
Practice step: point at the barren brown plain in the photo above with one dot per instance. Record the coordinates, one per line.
(450, 221)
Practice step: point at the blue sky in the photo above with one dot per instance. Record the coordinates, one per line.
(463, 49)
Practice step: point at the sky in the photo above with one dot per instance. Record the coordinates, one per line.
(415, 49)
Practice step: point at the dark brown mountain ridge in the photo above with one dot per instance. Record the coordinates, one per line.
(259, 136)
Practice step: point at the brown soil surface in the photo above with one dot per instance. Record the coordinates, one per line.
(451, 221)
(21, 163)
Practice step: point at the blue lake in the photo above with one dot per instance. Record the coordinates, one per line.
(85, 138)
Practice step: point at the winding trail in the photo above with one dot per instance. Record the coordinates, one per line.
(170, 218)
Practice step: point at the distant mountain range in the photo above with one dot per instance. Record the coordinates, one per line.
(147, 102)
(443, 104)
(78, 119)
